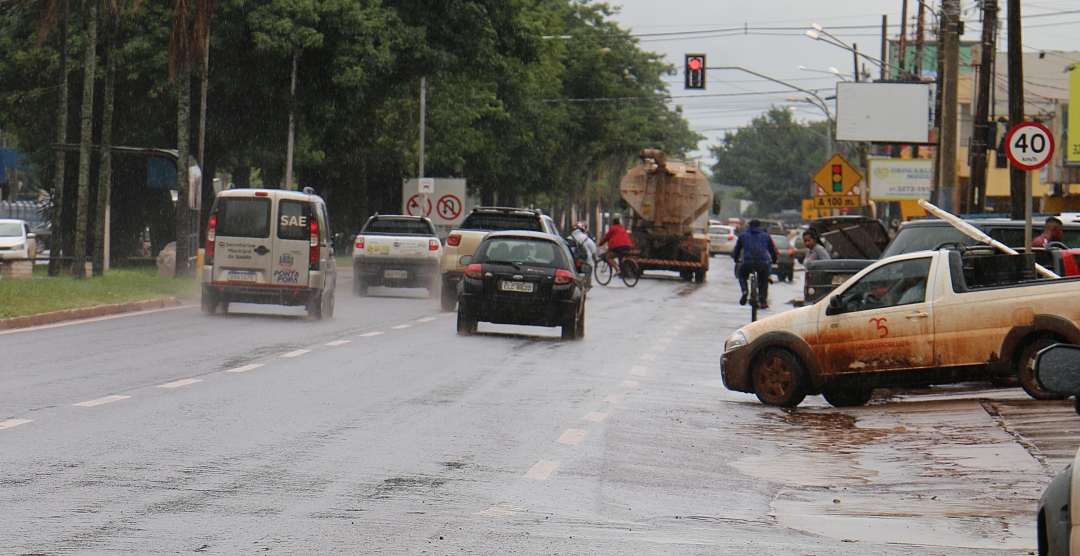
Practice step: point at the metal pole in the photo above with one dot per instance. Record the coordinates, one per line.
(885, 42)
(855, 56)
(1016, 105)
(950, 80)
(901, 58)
(423, 126)
(1027, 211)
(292, 125)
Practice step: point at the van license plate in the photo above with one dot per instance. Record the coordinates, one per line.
(396, 274)
(524, 287)
(241, 277)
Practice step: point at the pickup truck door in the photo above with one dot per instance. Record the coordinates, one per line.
(883, 322)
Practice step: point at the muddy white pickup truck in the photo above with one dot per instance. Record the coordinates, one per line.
(397, 251)
(930, 317)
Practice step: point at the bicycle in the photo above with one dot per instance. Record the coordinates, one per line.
(629, 271)
(752, 291)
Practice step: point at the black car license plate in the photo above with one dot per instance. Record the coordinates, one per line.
(523, 287)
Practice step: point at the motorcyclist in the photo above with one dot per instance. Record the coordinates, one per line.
(585, 250)
(758, 254)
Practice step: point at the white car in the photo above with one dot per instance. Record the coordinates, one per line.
(16, 240)
(722, 239)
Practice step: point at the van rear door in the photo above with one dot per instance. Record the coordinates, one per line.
(292, 246)
(242, 253)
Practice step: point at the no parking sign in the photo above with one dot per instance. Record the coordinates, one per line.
(446, 204)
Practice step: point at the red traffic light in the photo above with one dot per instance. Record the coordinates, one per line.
(694, 64)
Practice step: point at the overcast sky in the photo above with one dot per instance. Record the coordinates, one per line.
(774, 44)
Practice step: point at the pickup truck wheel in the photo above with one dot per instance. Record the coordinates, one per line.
(847, 397)
(779, 378)
(315, 307)
(328, 307)
(209, 302)
(1024, 369)
(448, 301)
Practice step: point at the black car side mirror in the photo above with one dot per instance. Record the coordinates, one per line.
(1057, 369)
(834, 306)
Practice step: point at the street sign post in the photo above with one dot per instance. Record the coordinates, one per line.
(1029, 146)
(837, 176)
(836, 201)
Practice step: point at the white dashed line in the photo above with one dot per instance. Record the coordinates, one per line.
(339, 343)
(628, 384)
(400, 326)
(673, 333)
(101, 401)
(245, 368)
(541, 470)
(639, 370)
(296, 353)
(678, 327)
(689, 317)
(370, 334)
(179, 383)
(664, 340)
(649, 357)
(14, 423)
(613, 399)
(659, 348)
(500, 510)
(425, 319)
(572, 437)
(594, 417)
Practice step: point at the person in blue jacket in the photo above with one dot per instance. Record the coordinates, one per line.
(758, 253)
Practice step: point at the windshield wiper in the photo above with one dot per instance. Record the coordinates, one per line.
(511, 263)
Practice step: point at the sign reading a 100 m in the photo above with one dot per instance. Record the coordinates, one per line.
(1029, 146)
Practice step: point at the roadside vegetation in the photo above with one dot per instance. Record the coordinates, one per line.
(40, 295)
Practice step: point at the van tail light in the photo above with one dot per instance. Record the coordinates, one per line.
(359, 242)
(790, 251)
(731, 238)
(454, 240)
(563, 277)
(313, 249)
(211, 235)
(474, 271)
(433, 245)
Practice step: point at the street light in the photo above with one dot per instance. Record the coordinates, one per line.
(831, 71)
(817, 33)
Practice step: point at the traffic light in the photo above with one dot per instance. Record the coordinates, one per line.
(695, 71)
(837, 178)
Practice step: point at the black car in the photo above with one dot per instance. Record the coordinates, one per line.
(784, 268)
(528, 278)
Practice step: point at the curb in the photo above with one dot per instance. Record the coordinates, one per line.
(86, 312)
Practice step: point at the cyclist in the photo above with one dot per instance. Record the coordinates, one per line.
(618, 242)
(758, 252)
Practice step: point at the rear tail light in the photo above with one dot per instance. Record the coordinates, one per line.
(791, 251)
(731, 238)
(563, 277)
(261, 194)
(313, 250)
(453, 240)
(359, 242)
(474, 271)
(211, 235)
(433, 245)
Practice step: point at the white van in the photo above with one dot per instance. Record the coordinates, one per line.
(269, 246)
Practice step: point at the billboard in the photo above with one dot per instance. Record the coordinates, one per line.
(1072, 131)
(900, 179)
(883, 112)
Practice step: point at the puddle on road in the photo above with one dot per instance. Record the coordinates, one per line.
(934, 473)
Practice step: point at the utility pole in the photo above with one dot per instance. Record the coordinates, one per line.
(919, 42)
(292, 125)
(901, 59)
(885, 46)
(855, 57)
(423, 128)
(1016, 107)
(974, 200)
(949, 53)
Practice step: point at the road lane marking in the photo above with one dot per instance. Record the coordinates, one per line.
(500, 510)
(639, 370)
(572, 436)
(673, 333)
(401, 326)
(689, 317)
(296, 353)
(370, 334)
(659, 348)
(541, 470)
(339, 343)
(649, 357)
(664, 340)
(101, 401)
(678, 327)
(14, 423)
(594, 417)
(425, 319)
(245, 368)
(179, 383)
(628, 384)
(613, 399)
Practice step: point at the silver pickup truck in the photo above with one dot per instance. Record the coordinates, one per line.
(397, 251)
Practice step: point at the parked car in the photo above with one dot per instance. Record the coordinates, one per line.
(722, 239)
(526, 278)
(929, 317)
(16, 240)
(269, 246)
(1057, 369)
(397, 251)
(784, 269)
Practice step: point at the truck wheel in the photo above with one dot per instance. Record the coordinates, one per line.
(686, 275)
(360, 287)
(328, 306)
(847, 397)
(314, 307)
(779, 378)
(449, 296)
(1024, 368)
(699, 277)
(209, 302)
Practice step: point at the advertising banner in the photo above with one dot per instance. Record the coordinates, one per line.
(899, 179)
(1072, 145)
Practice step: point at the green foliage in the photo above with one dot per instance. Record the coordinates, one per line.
(774, 159)
(40, 295)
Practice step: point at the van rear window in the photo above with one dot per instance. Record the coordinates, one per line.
(293, 217)
(243, 217)
(501, 222)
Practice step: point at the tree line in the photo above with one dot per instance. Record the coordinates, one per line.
(540, 102)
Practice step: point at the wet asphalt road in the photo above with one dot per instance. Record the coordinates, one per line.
(383, 432)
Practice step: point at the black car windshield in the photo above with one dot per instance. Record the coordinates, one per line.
(397, 227)
(921, 238)
(502, 222)
(529, 251)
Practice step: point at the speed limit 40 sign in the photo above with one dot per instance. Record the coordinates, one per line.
(1029, 146)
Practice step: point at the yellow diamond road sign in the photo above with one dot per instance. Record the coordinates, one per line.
(837, 177)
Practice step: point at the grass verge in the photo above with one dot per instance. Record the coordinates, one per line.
(40, 295)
